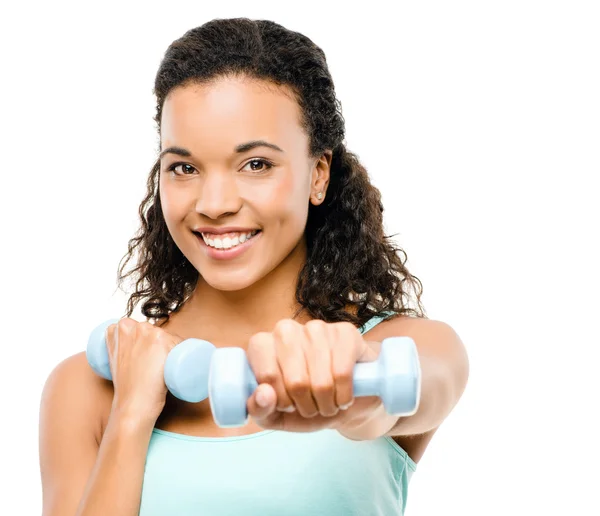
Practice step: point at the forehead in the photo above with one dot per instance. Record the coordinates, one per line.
(228, 112)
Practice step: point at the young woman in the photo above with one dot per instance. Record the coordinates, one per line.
(259, 230)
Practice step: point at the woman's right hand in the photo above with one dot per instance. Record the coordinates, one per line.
(137, 352)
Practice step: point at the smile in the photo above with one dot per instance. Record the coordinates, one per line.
(227, 240)
(227, 246)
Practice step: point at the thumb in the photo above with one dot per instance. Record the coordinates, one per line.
(263, 402)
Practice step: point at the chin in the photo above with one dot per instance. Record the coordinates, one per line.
(229, 281)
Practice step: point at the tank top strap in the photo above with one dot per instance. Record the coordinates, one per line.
(374, 321)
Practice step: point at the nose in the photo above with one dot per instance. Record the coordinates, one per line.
(218, 195)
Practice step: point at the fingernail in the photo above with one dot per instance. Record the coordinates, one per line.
(261, 399)
(346, 406)
(289, 409)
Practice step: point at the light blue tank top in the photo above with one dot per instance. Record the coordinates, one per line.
(275, 473)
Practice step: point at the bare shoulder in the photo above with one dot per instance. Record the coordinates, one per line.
(407, 325)
(73, 383)
(73, 403)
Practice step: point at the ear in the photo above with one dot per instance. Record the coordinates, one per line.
(320, 178)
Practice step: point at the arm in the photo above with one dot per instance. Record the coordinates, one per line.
(444, 374)
(80, 476)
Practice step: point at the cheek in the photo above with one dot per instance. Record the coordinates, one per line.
(172, 202)
(291, 197)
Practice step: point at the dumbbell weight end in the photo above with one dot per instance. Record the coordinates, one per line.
(96, 352)
(186, 370)
(230, 383)
(395, 377)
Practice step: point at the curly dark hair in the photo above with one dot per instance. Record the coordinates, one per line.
(353, 271)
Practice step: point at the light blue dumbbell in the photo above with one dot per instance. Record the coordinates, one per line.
(395, 377)
(186, 367)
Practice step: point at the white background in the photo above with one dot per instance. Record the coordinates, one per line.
(479, 122)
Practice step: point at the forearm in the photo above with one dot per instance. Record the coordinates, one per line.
(115, 484)
(437, 395)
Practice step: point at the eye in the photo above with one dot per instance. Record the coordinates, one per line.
(268, 164)
(175, 165)
(188, 169)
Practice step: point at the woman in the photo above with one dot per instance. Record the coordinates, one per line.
(259, 230)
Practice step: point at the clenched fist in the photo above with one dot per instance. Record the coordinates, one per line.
(304, 375)
(137, 352)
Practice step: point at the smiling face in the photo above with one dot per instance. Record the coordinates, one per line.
(213, 179)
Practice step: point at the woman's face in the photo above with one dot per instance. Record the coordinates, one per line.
(208, 184)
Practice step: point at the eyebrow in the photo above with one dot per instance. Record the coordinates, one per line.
(243, 147)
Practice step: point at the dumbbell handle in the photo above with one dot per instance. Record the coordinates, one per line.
(366, 379)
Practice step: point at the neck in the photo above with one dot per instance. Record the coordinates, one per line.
(232, 316)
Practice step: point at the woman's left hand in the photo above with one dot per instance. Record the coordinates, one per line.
(304, 375)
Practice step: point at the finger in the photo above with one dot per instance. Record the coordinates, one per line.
(263, 363)
(110, 338)
(289, 340)
(119, 337)
(157, 335)
(318, 359)
(270, 419)
(262, 405)
(343, 362)
(115, 350)
(145, 329)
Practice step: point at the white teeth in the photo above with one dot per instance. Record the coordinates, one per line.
(228, 242)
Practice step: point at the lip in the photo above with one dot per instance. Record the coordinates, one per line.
(220, 231)
(226, 254)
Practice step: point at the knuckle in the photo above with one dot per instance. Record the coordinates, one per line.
(316, 325)
(126, 326)
(258, 338)
(298, 387)
(258, 341)
(285, 326)
(346, 328)
(316, 333)
(146, 328)
(266, 376)
(160, 334)
(343, 377)
(321, 389)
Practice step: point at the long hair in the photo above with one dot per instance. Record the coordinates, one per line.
(353, 271)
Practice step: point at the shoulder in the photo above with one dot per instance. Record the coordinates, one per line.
(73, 390)
(433, 339)
(409, 323)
